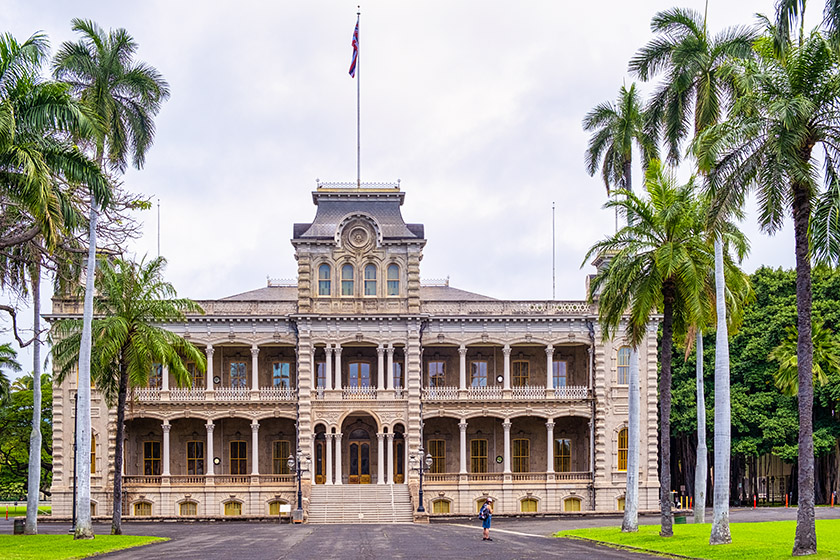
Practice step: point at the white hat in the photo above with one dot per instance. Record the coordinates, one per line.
(490, 500)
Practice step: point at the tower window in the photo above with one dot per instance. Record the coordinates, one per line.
(324, 274)
(393, 280)
(370, 280)
(347, 280)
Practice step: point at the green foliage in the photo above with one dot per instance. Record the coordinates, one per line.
(15, 428)
(63, 547)
(826, 358)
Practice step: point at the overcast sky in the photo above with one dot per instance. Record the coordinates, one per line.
(476, 106)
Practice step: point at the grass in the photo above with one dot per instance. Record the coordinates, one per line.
(768, 541)
(17, 511)
(63, 547)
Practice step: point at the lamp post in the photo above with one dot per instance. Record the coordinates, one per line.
(423, 464)
(298, 466)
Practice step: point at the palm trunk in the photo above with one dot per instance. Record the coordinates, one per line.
(630, 524)
(116, 518)
(84, 524)
(669, 293)
(720, 516)
(700, 471)
(805, 541)
(34, 478)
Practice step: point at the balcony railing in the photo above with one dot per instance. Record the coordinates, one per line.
(443, 478)
(495, 392)
(571, 392)
(200, 479)
(486, 392)
(145, 480)
(440, 393)
(186, 394)
(277, 394)
(232, 394)
(187, 479)
(529, 392)
(359, 393)
(146, 394)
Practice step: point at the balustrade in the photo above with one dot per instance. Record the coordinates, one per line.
(186, 394)
(440, 393)
(232, 394)
(571, 392)
(277, 394)
(359, 393)
(146, 394)
(487, 392)
(528, 392)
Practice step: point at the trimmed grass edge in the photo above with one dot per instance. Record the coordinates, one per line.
(627, 547)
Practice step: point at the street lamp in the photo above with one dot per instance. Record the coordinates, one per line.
(299, 463)
(424, 465)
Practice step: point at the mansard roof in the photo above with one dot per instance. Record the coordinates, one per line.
(289, 293)
(336, 202)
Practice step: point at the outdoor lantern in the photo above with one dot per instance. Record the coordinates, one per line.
(429, 460)
(291, 462)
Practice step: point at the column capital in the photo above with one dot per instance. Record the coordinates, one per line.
(255, 426)
(209, 350)
(337, 436)
(166, 426)
(506, 425)
(210, 426)
(462, 350)
(255, 350)
(549, 350)
(389, 436)
(550, 424)
(380, 350)
(506, 349)
(390, 348)
(380, 436)
(463, 425)
(328, 348)
(328, 435)
(337, 348)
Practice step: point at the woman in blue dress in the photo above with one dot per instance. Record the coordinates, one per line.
(486, 515)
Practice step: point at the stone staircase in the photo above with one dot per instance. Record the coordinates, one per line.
(360, 503)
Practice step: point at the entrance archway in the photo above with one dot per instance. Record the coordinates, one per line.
(359, 456)
(359, 448)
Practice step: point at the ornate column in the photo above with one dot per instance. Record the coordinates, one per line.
(406, 455)
(380, 368)
(549, 371)
(506, 352)
(338, 367)
(255, 372)
(389, 371)
(329, 438)
(380, 458)
(389, 469)
(255, 442)
(462, 378)
(208, 460)
(209, 376)
(506, 426)
(549, 452)
(164, 377)
(166, 426)
(462, 425)
(328, 374)
(338, 458)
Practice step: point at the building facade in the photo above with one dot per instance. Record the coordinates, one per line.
(367, 375)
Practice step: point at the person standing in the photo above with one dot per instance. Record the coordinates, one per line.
(486, 515)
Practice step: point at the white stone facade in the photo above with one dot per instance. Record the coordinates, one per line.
(357, 365)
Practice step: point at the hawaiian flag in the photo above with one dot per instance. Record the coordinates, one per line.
(355, 50)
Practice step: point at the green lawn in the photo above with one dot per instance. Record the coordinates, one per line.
(16, 511)
(767, 541)
(63, 547)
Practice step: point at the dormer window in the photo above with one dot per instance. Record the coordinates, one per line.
(393, 280)
(324, 274)
(370, 280)
(347, 280)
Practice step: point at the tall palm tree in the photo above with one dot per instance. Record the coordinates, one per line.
(657, 263)
(826, 358)
(615, 128)
(697, 90)
(768, 146)
(133, 301)
(125, 95)
(8, 361)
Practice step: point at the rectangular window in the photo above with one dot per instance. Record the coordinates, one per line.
(92, 454)
(151, 458)
(562, 455)
(142, 508)
(238, 458)
(281, 374)
(520, 371)
(623, 365)
(437, 373)
(478, 456)
(233, 508)
(440, 506)
(478, 373)
(370, 280)
(398, 375)
(280, 456)
(437, 449)
(521, 455)
(188, 508)
(321, 373)
(559, 373)
(196, 376)
(359, 374)
(237, 375)
(195, 457)
(156, 376)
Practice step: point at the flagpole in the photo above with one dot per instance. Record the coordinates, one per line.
(358, 107)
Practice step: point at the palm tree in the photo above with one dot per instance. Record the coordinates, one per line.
(826, 358)
(698, 89)
(615, 128)
(125, 95)
(8, 360)
(133, 301)
(657, 262)
(768, 146)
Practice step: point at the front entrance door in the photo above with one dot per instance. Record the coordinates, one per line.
(320, 473)
(359, 457)
(399, 460)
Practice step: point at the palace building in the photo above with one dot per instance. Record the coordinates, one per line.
(362, 375)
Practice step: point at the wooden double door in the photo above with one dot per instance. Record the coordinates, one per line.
(359, 459)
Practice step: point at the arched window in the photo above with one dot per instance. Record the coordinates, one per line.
(440, 506)
(623, 365)
(324, 274)
(620, 504)
(571, 504)
(233, 508)
(622, 449)
(393, 280)
(528, 505)
(143, 508)
(188, 509)
(92, 453)
(370, 280)
(347, 280)
(274, 507)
